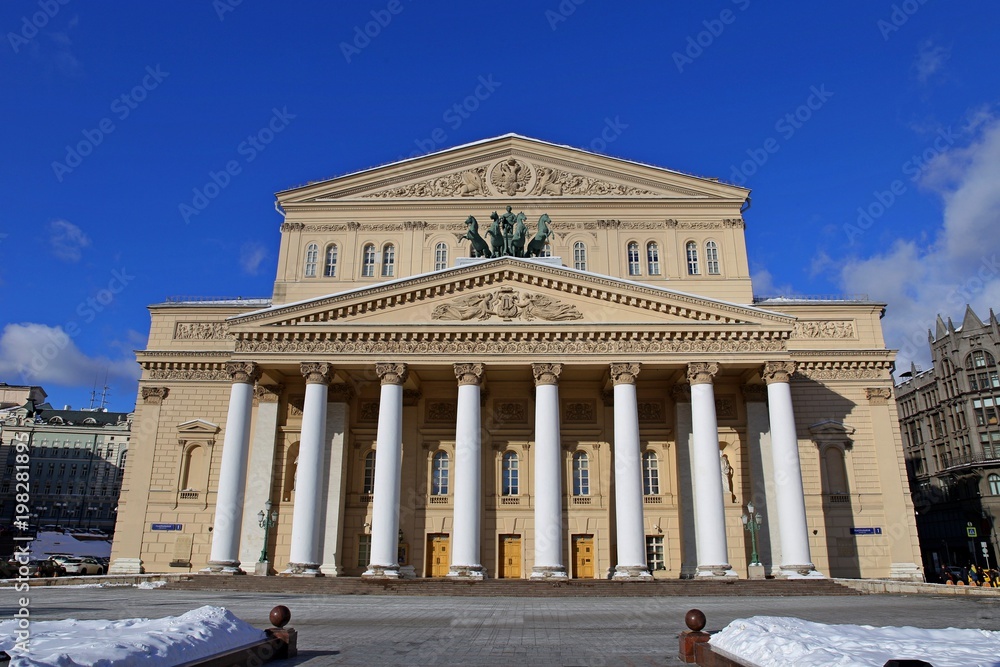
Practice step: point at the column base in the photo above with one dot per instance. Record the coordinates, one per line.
(126, 566)
(474, 572)
(906, 572)
(798, 572)
(549, 572)
(724, 571)
(223, 567)
(688, 571)
(302, 570)
(330, 569)
(755, 571)
(632, 573)
(382, 572)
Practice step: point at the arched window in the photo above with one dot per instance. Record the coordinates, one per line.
(510, 481)
(981, 372)
(440, 256)
(652, 259)
(650, 474)
(836, 471)
(712, 258)
(312, 257)
(368, 261)
(368, 481)
(388, 261)
(330, 265)
(580, 256)
(633, 258)
(979, 359)
(581, 474)
(994, 480)
(692, 258)
(439, 474)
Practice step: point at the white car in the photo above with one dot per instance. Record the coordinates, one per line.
(82, 565)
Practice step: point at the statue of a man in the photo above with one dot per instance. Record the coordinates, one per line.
(507, 221)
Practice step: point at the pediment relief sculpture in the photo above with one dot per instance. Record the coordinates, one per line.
(506, 303)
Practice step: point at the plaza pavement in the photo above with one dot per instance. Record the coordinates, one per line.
(387, 630)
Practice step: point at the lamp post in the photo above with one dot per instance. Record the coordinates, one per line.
(90, 511)
(751, 523)
(266, 518)
(59, 507)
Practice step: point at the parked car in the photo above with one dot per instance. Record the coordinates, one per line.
(47, 568)
(8, 568)
(82, 565)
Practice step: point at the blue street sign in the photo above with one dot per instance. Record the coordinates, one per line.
(866, 531)
(167, 526)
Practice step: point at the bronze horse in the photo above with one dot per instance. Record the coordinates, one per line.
(479, 247)
(537, 245)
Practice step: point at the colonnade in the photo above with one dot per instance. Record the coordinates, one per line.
(549, 557)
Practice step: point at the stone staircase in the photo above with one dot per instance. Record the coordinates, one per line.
(511, 587)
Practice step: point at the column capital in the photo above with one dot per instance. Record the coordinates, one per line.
(266, 393)
(754, 393)
(246, 372)
(316, 372)
(546, 373)
(681, 392)
(777, 371)
(625, 373)
(878, 395)
(392, 373)
(700, 372)
(154, 395)
(469, 374)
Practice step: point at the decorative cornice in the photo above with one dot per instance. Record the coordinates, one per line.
(754, 393)
(701, 372)
(185, 370)
(243, 372)
(844, 369)
(266, 393)
(469, 374)
(292, 226)
(155, 395)
(392, 373)
(546, 373)
(316, 372)
(878, 395)
(777, 371)
(624, 373)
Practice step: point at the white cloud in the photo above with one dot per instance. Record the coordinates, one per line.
(930, 60)
(960, 265)
(252, 255)
(66, 240)
(764, 286)
(40, 354)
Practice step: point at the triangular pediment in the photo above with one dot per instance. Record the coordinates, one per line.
(512, 166)
(197, 427)
(507, 292)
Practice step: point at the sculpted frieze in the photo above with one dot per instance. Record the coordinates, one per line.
(823, 329)
(469, 183)
(201, 331)
(510, 176)
(211, 374)
(556, 182)
(507, 304)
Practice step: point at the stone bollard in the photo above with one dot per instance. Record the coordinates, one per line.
(695, 620)
(287, 638)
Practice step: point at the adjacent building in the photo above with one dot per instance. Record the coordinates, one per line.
(950, 419)
(515, 359)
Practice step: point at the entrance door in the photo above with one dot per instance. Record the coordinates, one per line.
(583, 556)
(510, 557)
(438, 561)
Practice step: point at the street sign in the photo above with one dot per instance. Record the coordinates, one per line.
(971, 530)
(986, 551)
(167, 526)
(866, 531)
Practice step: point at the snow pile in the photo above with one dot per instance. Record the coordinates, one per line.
(138, 641)
(767, 641)
(52, 542)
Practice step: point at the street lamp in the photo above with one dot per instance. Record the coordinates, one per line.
(90, 511)
(59, 507)
(266, 518)
(752, 522)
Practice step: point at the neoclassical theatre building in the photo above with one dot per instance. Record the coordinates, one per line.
(514, 359)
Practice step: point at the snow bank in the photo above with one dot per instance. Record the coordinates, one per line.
(50, 542)
(138, 641)
(768, 641)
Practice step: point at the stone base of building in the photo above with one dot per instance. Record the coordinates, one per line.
(302, 570)
(798, 572)
(548, 572)
(724, 571)
(688, 571)
(476, 572)
(382, 572)
(223, 567)
(906, 572)
(330, 570)
(755, 571)
(632, 573)
(127, 566)
(263, 569)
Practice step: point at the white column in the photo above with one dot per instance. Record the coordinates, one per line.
(685, 484)
(224, 558)
(335, 486)
(548, 474)
(260, 469)
(304, 558)
(388, 471)
(465, 559)
(762, 477)
(710, 513)
(789, 495)
(628, 477)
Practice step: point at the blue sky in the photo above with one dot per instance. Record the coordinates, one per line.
(866, 130)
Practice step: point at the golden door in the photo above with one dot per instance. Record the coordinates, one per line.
(510, 557)
(583, 556)
(437, 555)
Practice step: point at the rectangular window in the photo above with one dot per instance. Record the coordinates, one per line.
(654, 553)
(364, 550)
